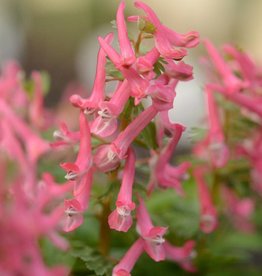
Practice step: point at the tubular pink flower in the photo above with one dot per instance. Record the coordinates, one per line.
(127, 53)
(80, 171)
(219, 152)
(73, 215)
(106, 124)
(162, 172)
(97, 95)
(164, 127)
(249, 71)
(167, 40)
(182, 255)
(208, 220)
(162, 95)
(83, 160)
(108, 157)
(239, 210)
(117, 103)
(121, 218)
(127, 136)
(64, 136)
(36, 108)
(180, 71)
(153, 236)
(145, 64)
(110, 52)
(251, 103)
(124, 267)
(138, 85)
(232, 83)
(35, 146)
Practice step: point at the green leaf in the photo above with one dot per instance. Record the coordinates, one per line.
(148, 136)
(93, 261)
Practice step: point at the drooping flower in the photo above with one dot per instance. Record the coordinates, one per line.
(231, 82)
(162, 173)
(81, 173)
(127, 53)
(145, 63)
(124, 267)
(106, 123)
(208, 213)
(169, 43)
(108, 156)
(214, 143)
(239, 209)
(182, 255)
(35, 146)
(152, 235)
(121, 219)
(91, 104)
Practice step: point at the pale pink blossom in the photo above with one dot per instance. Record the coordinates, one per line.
(239, 210)
(121, 218)
(208, 213)
(152, 235)
(109, 156)
(126, 264)
(91, 104)
(182, 255)
(169, 43)
(231, 82)
(127, 53)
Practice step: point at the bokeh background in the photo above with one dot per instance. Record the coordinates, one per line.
(60, 36)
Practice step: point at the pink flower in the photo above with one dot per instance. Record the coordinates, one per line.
(121, 218)
(73, 215)
(106, 124)
(208, 216)
(108, 156)
(137, 83)
(164, 174)
(91, 104)
(162, 95)
(35, 146)
(167, 41)
(64, 136)
(127, 53)
(248, 69)
(239, 210)
(232, 83)
(153, 236)
(182, 255)
(215, 141)
(81, 173)
(145, 64)
(251, 103)
(124, 267)
(36, 107)
(180, 71)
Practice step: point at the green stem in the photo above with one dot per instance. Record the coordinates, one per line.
(138, 42)
(104, 235)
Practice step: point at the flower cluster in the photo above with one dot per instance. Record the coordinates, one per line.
(238, 80)
(125, 139)
(29, 210)
(141, 79)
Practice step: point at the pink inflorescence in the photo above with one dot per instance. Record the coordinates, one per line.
(29, 209)
(101, 116)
